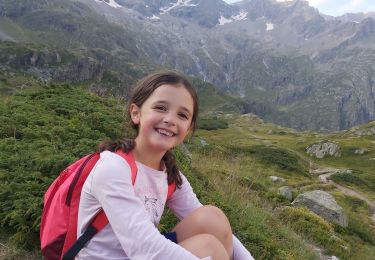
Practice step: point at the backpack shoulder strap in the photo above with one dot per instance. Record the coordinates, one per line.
(171, 189)
(100, 220)
(129, 157)
(73, 197)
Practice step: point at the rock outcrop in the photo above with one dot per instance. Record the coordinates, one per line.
(322, 204)
(286, 192)
(322, 149)
(276, 179)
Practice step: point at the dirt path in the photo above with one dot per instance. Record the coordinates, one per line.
(358, 195)
(324, 178)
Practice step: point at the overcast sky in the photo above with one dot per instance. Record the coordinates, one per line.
(337, 7)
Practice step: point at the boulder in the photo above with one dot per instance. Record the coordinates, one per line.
(321, 149)
(361, 151)
(186, 151)
(203, 142)
(363, 132)
(277, 179)
(286, 192)
(320, 171)
(322, 204)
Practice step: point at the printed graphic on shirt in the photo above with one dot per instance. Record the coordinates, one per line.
(152, 207)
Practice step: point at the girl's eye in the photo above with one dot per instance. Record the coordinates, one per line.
(161, 108)
(184, 116)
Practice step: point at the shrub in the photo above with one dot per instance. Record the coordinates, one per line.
(356, 179)
(50, 128)
(212, 123)
(314, 228)
(281, 158)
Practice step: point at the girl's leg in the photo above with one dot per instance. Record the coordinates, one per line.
(204, 245)
(206, 220)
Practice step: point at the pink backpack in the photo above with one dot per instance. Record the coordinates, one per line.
(58, 228)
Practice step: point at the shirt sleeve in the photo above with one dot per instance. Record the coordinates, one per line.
(184, 201)
(112, 187)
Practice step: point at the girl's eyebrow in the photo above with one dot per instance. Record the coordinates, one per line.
(166, 103)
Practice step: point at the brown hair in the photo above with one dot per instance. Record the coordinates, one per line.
(143, 90)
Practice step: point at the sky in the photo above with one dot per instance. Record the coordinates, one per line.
(337, 7)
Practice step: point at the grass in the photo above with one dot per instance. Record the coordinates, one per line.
(252, 217)
(231, 171)
(250, 151)
(10, 251)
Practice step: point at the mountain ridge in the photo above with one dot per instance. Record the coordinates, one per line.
(273, 54)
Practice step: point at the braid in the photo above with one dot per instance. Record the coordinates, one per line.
(126, 145)
(172, 170)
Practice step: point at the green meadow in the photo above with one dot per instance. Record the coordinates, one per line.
(44, 127)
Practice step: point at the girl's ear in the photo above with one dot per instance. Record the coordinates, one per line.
(135, 113)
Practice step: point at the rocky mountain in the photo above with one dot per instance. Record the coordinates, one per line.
(356, 17)
(287, 62)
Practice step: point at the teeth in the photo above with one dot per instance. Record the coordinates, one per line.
(165, 132)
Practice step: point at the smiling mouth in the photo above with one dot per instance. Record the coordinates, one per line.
(165, 132)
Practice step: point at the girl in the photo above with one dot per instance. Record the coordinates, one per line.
(163, 109)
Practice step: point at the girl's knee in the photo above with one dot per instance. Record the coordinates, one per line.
(210, 215)
(204, 245)
(209, 241)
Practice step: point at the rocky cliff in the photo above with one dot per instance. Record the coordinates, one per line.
(286, 61)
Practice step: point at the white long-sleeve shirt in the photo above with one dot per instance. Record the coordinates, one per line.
(134, 212)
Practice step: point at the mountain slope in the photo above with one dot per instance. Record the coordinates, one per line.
(289, 63)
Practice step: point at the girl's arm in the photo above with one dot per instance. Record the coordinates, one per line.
(111, 186)
(184, 201)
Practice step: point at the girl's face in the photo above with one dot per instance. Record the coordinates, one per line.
(164, 119)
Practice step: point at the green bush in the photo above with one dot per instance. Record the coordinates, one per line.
(314, 228)
(281, 158)
(360, 228)
(212, 123)
(46, 130)
(355, 178)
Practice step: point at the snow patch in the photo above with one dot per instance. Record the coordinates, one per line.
(286, 2)
(154, 17)
(111, 3)
(209, 56)
(223, 20)
(265, 64)
(239, 17)
(179, 3)
(270, 26)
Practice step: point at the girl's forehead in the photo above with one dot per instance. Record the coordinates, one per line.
(172, 92)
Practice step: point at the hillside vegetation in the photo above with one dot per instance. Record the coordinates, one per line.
(45, 127)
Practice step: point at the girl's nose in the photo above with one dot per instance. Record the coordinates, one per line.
(169, 119)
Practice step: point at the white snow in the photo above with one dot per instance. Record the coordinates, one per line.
(111, 3)
(286, 2)
(223, 20)
(270, 26)
(179, 3)
(241, 16)
(209, 56)
(265, 64)
(154, 17)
